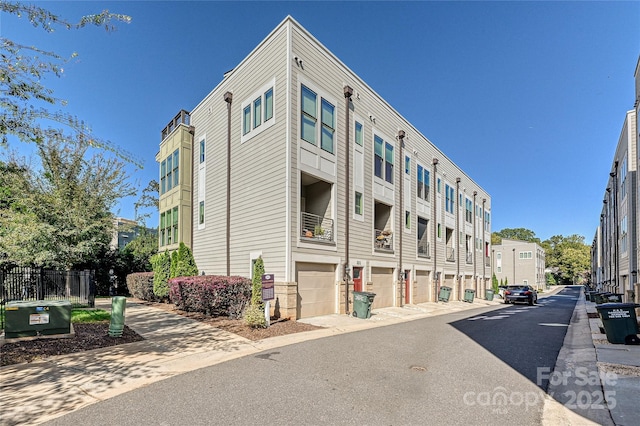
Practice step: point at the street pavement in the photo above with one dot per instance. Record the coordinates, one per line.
(37, 392)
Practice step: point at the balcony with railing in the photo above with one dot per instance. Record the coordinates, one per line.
(316, 228)
(469, 258)
(487, 261)
(451, 254)
(423, 249)
(383, 240)
(181, 118)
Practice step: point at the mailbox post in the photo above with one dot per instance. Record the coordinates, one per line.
(268, 294)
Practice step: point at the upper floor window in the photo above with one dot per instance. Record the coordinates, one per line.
(525, 255)
(169, 172)
(407, 165)
(311, 109)
(202, 151)
(424, 185)
(487, 220)
(359, 134)
(468, 216)
(383, 159)
(257, 111)
(439, 186)
(450, 198)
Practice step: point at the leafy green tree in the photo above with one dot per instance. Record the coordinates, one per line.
(58, 214)
(174, 264)
(185, 263)
(25, 102)
(147, 203)
(569, 258)
(139, 251)
(518, 234)
(161, 263)
(494, 284)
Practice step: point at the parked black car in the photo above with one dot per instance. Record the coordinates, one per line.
(520, 293)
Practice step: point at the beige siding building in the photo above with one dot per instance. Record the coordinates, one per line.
(520, 262)
(298, 161)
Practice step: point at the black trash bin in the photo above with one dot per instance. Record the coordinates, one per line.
(445, 293)
(620, 322)
(362, 301)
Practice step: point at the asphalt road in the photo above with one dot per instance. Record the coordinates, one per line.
(483, 366)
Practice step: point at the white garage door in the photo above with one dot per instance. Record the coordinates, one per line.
(421, 289)
(316, 289)
(382, 279)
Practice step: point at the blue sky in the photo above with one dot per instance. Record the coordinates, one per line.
(528, 98)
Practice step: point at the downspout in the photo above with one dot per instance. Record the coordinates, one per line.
(348, 92)
(228, 97)
(475, 238)
(435, 227)
(457, 206)
(614, 175)
(401, 276)
(484, 255)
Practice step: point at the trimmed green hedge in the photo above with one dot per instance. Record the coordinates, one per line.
(140, 285)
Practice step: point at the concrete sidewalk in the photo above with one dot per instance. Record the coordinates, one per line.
(36, 392)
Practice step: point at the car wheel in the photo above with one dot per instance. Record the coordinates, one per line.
(531, 302)
(506, 302)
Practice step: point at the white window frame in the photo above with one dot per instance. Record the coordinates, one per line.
(320, 96)
(255, 127)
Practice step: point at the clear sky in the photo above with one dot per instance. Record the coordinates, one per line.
(528, 98)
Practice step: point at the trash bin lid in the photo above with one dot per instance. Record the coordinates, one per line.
(617, 305)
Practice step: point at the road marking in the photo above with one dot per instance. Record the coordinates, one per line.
(553, 325)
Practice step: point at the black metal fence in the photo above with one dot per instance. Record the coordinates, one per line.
(24, 283)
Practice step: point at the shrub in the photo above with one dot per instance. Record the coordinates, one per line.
(256, 283)
(140, 285)
(211, 294)
(161, 263)
(174, 264)
(254, 317)
(185, 263)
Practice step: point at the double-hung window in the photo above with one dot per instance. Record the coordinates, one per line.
(423, 183)
(359, 134)
(309, 120)
(163, 177)
(202, 146)
(176, 164)
(468, 210)
(382, 159)
(450, 198)
(169, 172)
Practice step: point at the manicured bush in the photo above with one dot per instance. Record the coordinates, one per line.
(161, 263)
(140, 285)
(254, 315)
(185, 263)
(211, 294)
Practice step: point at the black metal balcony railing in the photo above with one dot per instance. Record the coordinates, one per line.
(314, 227)
(423, 249)
(451, 254)
(383, 240)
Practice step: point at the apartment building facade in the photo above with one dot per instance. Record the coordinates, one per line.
(520, 262)
(297, 160)
(614, 251)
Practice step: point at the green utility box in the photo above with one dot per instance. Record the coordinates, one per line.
(469, 295)
(445, 293)
(619, 321)
(116, 325)
(488, 294)
(362, 301)
(37, 318)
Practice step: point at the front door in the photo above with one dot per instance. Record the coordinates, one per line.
(407, 287)
(357, 278)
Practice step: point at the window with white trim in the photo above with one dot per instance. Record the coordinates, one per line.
(383, 159)
(450, 198)
(424, 185)
(312, 107)
(258, 111)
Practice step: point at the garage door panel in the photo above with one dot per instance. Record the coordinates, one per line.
(421, 290)
(316, 289)
(382, 279)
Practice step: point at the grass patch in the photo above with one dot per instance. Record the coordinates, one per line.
(79, 316)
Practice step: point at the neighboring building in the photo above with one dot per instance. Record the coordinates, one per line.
(125, 231)
(614, 252)
(175, 189)
(520, 262)
(298, 161)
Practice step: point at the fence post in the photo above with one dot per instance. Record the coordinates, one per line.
(92, 288)
(39, 287)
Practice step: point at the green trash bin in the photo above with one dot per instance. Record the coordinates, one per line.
(469, 295)
(488, 294)
(620, 322)
(445, 293)
(362, 301)
(116, 326)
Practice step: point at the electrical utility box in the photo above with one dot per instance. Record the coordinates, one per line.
(37, 318)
